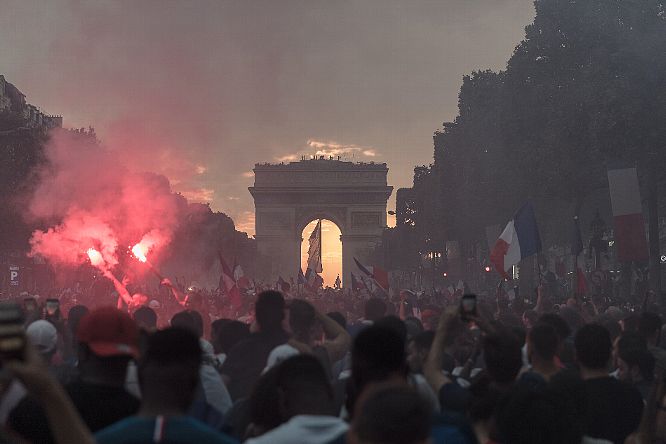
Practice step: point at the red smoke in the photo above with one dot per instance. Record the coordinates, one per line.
(95, 201)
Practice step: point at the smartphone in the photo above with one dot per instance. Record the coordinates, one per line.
(52, 307)
(12, 334)
(468, 307)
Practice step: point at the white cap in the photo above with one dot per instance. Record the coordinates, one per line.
(279, 354)
(154, 304)
(43, 335)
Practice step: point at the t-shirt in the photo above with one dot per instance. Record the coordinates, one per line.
(247, 359)
(612, 409)
(98, 405)
(304, 429)
(171, 430)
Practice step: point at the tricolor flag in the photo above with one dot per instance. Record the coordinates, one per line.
(520, 239)
(627, 215)
(228, 284)
(377, 274)
(357, 284)
(314, 250)
(313, 280)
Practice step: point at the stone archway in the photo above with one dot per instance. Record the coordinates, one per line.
(289, 196)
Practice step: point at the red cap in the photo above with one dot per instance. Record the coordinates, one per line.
(109, 332)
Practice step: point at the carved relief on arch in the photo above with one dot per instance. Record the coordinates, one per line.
(305, 215)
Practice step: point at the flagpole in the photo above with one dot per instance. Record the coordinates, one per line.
(320, 245)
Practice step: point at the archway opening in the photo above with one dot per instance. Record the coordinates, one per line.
(331, 250)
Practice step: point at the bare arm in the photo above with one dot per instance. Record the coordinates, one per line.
(432, 370)
(64, 421)
(339, 345)
(180, 297)
(120, 288)
(401, 310)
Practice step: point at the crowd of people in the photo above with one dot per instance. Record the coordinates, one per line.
(335, 367)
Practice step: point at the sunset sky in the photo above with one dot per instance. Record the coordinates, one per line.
(202, 90)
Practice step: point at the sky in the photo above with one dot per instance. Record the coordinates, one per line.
(201, 90)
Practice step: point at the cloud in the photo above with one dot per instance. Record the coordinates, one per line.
(233, 198)
(330, 148)
(199, 195)
(287, 158)
(248, 174)
(245, 222)
(200, 169)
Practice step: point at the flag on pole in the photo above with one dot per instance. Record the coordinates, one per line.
(314, 250)
(356, 283)
(627, 215)
(301, 277)
(228, 284)
(377, 275)
(576, 250)
(520, 239)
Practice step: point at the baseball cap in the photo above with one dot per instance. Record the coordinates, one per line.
(109, 332)
(43, 335)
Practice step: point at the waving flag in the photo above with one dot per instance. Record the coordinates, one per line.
(520, 239)
(228, 284)
(377, 275)
(627, 215)
(314, 250)
(301, 277)
(356, 283)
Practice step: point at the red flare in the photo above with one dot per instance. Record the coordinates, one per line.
(139, 252)
(96, 258)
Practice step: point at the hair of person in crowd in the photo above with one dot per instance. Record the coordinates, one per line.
(502, 353)
(635, 362)
(649, 326)
(264, 405)
(169, 371)
(301, 320)
(198, 322)
(145, 318)
(593, 347)
(417, 350)
(542, 342)
(378, 355)
(303, 387)
(394, 323)
(391, 414)
(184, 319)
(269, 311)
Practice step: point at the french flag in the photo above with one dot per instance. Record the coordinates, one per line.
(520, 239)
(628, 220)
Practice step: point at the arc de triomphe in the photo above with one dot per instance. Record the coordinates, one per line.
(287, 197)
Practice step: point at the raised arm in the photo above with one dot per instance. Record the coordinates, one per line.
(64, 421)
(120, 288)
(432, 370)
(339, 345)
(180, 297)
